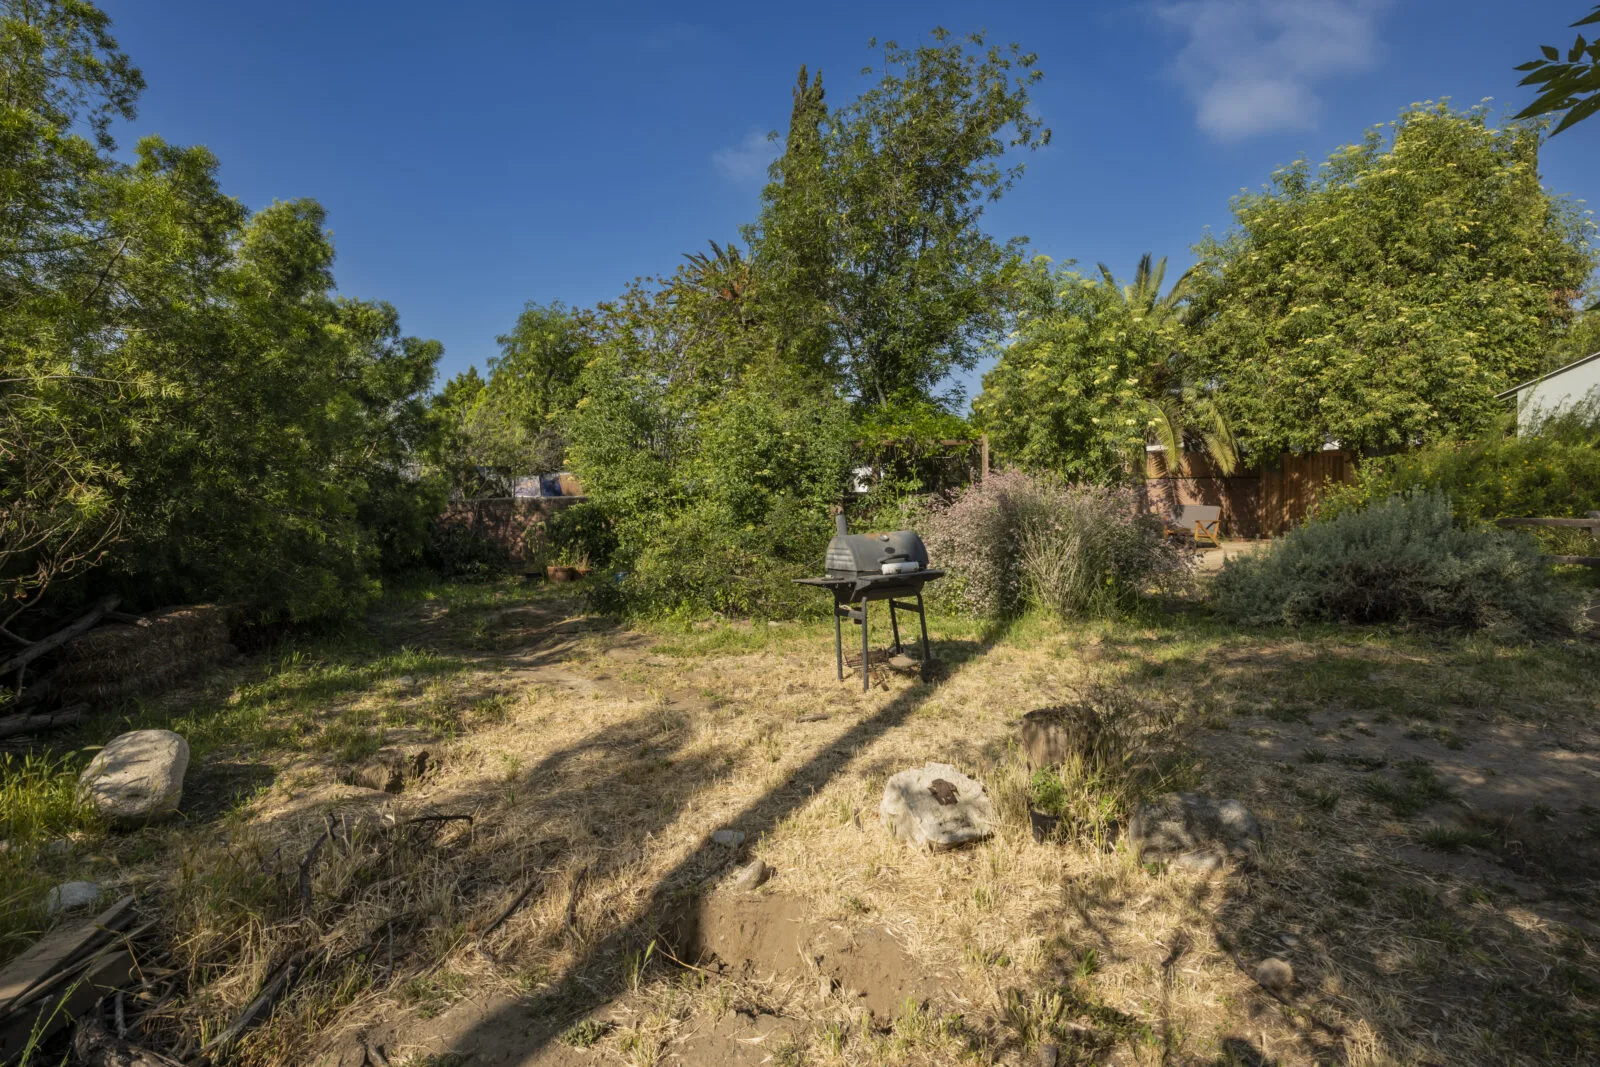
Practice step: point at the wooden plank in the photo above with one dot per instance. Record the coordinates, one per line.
(1590, 524)
(104, 974)
(57, 950)
(1578, 561)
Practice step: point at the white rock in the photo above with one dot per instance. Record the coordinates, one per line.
(137, 777)
(730, 838)
(936, 807)
(69, 895)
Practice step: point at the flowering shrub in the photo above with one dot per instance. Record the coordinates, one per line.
(1021, 541)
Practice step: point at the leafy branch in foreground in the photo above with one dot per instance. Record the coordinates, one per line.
(1568, 87)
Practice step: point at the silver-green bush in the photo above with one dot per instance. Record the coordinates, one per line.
(1401, 560)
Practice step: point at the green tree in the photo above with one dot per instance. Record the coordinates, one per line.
(713, 456)
(184, 401)
(488, 432)
(1073, 392)
(1383, 299)
(1569, 88)
(871, 228)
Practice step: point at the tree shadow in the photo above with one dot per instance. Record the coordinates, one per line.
(666, 913)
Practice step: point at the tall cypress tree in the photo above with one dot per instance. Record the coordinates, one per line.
(790, 242)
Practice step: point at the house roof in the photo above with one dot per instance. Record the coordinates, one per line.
(1515, 389)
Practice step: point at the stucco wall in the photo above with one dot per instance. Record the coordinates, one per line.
(1561, 390)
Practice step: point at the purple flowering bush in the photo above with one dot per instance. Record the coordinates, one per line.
(1021, 541)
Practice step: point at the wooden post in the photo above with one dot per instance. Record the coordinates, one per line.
(983, 458)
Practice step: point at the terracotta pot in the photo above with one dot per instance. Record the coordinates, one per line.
(557, 574)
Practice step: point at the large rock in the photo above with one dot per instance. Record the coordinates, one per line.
(1194, 831)
(138, 777)
(936, 807)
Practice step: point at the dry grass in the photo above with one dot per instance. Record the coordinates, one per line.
(597, 762)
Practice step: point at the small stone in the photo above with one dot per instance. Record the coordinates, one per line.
(406, 680)
(824, 986)
(1049, 1055)
(1289, 940)
(1275, 975)
(902, 662)
(69, 895)
(136, 778)
(730, 838)
(936, 807)
(751, 875)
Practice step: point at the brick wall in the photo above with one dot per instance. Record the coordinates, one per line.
(506, 520)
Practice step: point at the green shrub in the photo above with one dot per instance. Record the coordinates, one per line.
(581, 531)
(700, 560)
(1401, 560)
(456, 551)
(716, 501)
(1555, 472)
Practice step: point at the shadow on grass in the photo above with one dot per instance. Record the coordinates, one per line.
(528, 1025)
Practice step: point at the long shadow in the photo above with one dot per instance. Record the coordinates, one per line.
(581, 987)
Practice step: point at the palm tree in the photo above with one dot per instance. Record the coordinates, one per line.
(1144, 294)
(1188, 412)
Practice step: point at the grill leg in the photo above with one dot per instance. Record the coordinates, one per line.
(838, 640)
(894, 624)
(865, 669)
(922, 618)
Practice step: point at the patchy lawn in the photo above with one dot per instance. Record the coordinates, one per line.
(1431, 807)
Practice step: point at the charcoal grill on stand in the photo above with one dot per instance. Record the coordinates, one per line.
(866, 567)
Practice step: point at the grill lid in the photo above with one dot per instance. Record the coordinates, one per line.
(900, 552)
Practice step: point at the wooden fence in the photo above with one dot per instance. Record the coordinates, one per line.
(1260, 502)
(1591, 523)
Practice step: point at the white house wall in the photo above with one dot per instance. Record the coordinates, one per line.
(1546, 397)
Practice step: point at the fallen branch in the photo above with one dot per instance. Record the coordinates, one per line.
(438, 818)
(527, 891)
(60, 637)
(572, 899)
(70, 715)
(270, 994)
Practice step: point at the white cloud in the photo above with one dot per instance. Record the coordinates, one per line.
(1252, 65)
(748, 160)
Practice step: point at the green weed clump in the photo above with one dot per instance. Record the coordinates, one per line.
(38, 805)
(1403, 560)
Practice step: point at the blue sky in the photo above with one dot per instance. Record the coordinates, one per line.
(474, 155)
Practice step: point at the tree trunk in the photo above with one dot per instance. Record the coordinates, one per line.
(60, 637)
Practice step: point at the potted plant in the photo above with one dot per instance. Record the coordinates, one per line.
(569, 566)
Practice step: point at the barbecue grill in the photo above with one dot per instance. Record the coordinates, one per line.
(864, 567)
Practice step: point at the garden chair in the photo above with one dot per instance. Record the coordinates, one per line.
(1203, 522)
